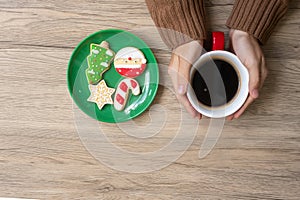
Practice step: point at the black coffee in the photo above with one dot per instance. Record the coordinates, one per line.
(215, 83)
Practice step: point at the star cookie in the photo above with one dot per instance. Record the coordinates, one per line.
(101, 94)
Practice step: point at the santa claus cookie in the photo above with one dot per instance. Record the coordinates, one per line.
(130, 62)
(123, 91)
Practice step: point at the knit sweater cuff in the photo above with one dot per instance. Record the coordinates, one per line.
(178, 21)
(258, 17)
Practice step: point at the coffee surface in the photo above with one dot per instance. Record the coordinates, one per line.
(215, 83)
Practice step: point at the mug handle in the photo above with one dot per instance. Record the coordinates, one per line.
(218, 41)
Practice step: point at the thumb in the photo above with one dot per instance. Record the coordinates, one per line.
(183, 76)
(254, 80)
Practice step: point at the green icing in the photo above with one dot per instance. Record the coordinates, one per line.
(99, 62)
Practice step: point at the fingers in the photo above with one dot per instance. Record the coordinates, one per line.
(183, 76)
(184, 56)
(186, 103)
(250, 99)
(179, 72)
(264, 73)
(249, 52)
(173, 70)
(254, 80)
(248, 102)
(230, 117)
(255, 83)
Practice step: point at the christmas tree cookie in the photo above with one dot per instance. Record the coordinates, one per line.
(99, 61)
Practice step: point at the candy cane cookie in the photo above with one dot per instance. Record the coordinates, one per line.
(122, 92)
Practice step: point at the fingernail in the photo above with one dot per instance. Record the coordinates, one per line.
(181, 90)
(255, 93)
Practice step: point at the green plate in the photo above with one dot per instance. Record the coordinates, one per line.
(78, 85)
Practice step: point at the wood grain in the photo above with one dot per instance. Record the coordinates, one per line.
(42, 157)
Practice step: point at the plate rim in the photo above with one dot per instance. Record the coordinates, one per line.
(76, 49)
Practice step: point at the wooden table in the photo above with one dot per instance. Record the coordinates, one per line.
(42, 157)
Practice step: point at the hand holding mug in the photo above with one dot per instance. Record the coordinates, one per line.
(248, 50)
(219, 81)
(248, 61)
(179, 69)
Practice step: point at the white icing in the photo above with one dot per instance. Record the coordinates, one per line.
(122, 93)
(136, 90)
(91, 72)
(130, 52)
(118, 106)
(109, 52)
(95, 51)
(127, 66)
(104, 64)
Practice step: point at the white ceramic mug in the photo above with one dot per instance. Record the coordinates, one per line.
(241, 95)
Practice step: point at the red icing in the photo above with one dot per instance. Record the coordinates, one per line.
(133, 83)
(129, 58)
(120, 99)
(131, 72)
(123, 87)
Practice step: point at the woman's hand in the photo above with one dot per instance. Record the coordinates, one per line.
(181, 62)
(248, 50)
